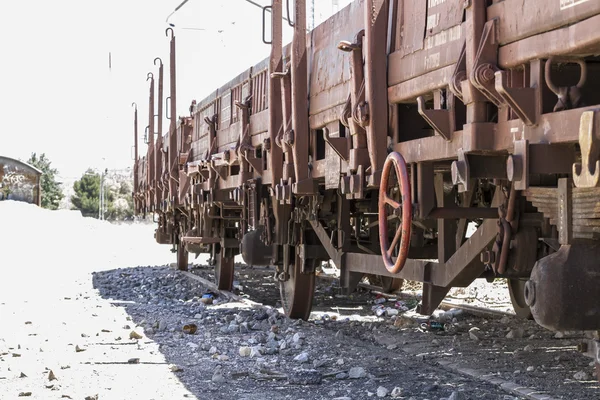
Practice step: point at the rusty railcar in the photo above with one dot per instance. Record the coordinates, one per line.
(438, 141)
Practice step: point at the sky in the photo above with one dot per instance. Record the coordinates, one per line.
(59, 97)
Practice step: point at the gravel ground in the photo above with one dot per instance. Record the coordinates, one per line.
(88, 315)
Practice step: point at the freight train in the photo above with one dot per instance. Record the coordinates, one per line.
(436, 141)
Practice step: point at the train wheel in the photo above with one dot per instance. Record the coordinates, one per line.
(182, 258)
(391, 285)
(516, 288)
(224, 267)
(297, 291)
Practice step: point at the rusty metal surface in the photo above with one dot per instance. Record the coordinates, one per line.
(564, 288)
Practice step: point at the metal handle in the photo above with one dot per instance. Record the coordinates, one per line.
(548, 69)
(167, 106)
(289, 20)
(264, 16)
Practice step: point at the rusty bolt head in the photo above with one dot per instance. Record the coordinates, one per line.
(487, 73)
(514, 168)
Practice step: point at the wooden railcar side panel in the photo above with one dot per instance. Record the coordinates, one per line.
(431, 36)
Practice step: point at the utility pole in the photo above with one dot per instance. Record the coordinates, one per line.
(101, 207)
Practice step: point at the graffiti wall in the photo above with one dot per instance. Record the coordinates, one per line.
(19, 181)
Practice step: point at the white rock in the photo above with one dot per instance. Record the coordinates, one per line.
(382, 392)
(581, 376)
(301, 358)
(357, 372)
(245, 351)
(396, 392)
(192, 346)
(530, 369)
(456, 395)
(528, 348)
(212, 350)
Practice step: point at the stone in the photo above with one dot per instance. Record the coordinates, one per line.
(212, 350)
(245, 351)
(175, 368)
(515, 333)
(530, 369)
(301, 358)
(340, 361)
(357, 373)
(341, 375)
(581, 376)
(133, 361)
(559, 335)
(382, 391)
(218, 376)
(475, 333)
(135, 335)
(456, 395)
(256, 351)
(77, 349)
(504, 320)
(319, 363)
(223, 357)
(396, 392)
(192, 346)
(528, 348)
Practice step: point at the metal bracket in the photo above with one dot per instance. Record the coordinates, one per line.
(485, 66)
(441, 120)
(587, 173)
(459, 75)
(339, 144)
(521, 100)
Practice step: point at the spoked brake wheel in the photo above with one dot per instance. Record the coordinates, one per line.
(516, 288)
(224, 267)
(182, 257)
(298, 290)
(395, 204)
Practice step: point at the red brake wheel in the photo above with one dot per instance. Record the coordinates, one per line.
(401, 209)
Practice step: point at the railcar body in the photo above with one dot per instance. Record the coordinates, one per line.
(377, 139)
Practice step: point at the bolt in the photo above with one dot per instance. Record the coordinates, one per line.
(487, 73)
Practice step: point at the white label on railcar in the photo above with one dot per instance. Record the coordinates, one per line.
(445, 36)
(433, 21)
(564, 4)
(433, 3)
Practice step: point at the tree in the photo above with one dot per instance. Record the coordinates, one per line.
(87, 195)
(51, 192)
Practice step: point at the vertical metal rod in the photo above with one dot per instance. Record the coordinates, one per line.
(300, 94)
(376, 85)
